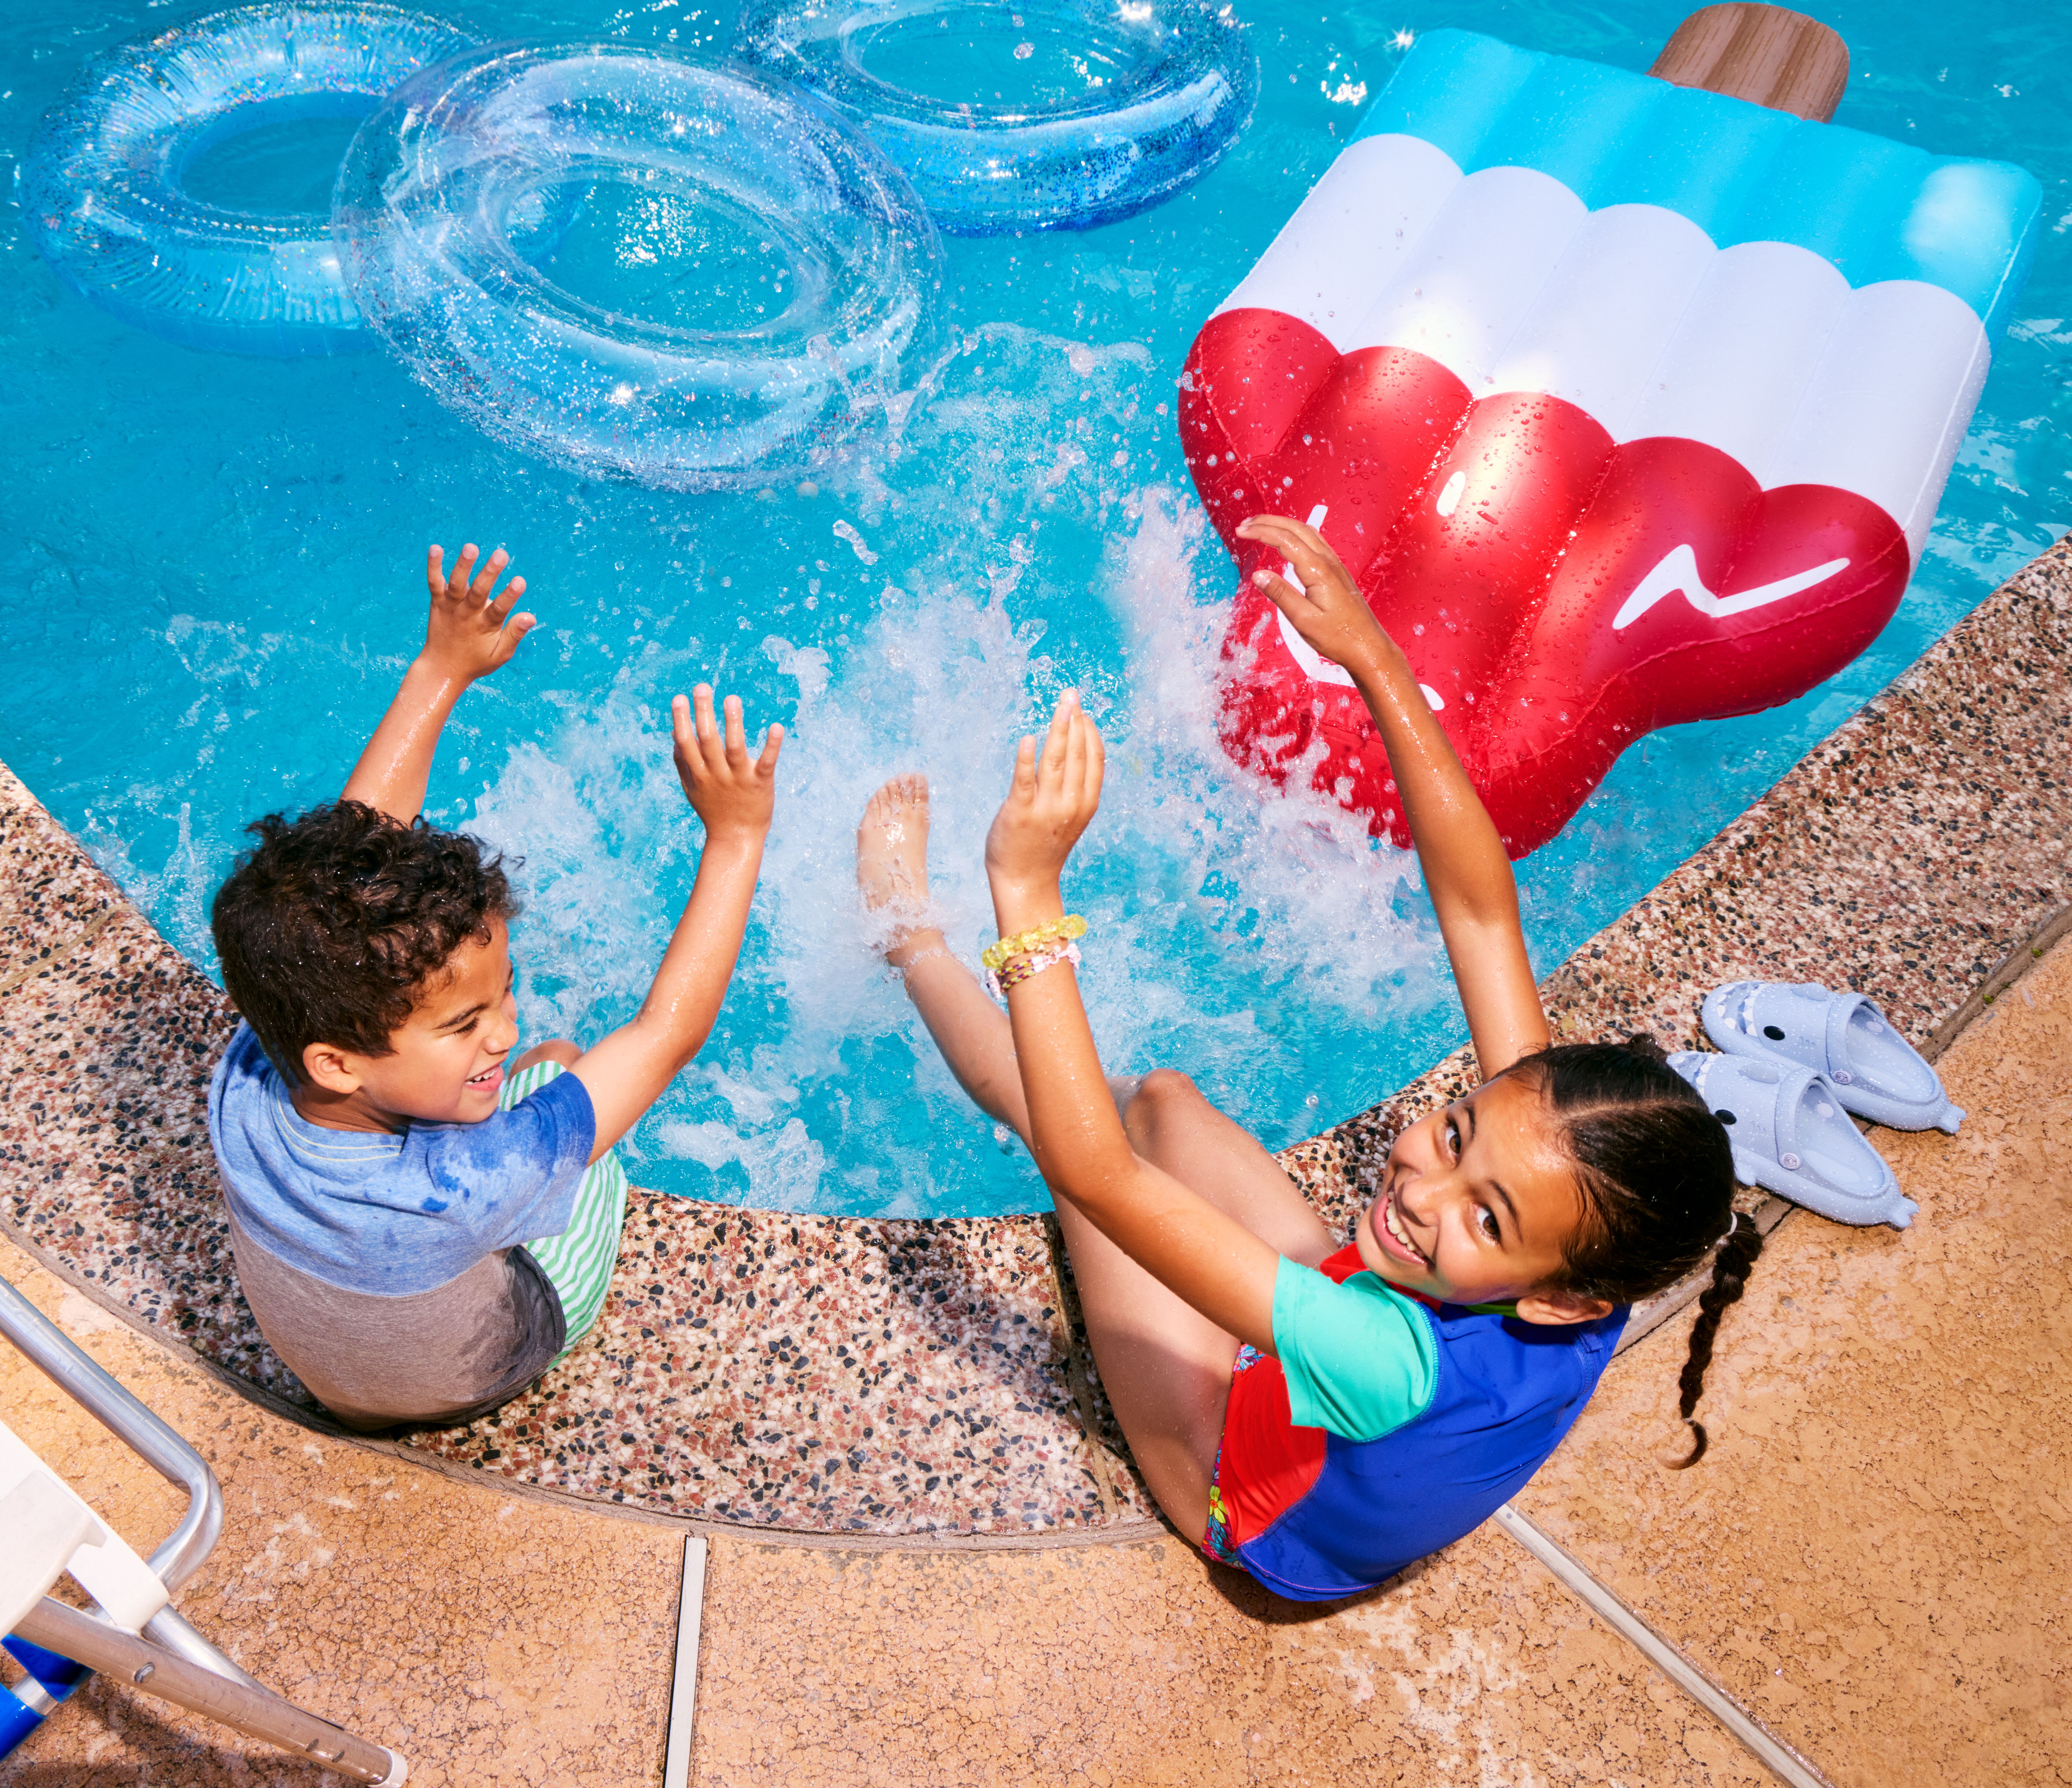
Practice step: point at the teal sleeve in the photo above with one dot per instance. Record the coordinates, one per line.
(1360, 1360)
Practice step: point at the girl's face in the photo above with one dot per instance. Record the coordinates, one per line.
(1478, 1200)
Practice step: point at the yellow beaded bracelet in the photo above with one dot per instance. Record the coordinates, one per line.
(996, 956)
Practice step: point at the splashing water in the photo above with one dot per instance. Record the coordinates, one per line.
(1254, 944)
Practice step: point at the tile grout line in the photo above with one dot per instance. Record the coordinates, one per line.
(1779, 1758)
(683, 1677)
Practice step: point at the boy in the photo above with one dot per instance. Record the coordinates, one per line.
(421, 1225)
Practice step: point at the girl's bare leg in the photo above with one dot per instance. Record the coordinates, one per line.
(1166, 1368)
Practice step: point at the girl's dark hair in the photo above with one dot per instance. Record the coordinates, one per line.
(330, 929)
(1657, 1180)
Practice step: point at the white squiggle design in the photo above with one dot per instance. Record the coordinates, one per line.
(1677, 575)
(1313, 664)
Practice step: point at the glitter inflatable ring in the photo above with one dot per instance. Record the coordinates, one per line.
(103, 182)
(1081, 112)
(638, 266)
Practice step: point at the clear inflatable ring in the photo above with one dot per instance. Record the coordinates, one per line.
(1015, 115)
(106, 181)
(636, 265)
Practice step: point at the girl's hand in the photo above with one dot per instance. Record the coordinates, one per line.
(472, 630)
(1327, 611)
(731, 792)
(1055, 795)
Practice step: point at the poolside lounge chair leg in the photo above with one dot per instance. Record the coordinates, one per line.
(257, 1712)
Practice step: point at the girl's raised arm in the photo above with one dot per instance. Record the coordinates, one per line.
(1466, 870)
(1209, 1259)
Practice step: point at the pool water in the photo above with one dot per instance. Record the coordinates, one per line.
(211, 570)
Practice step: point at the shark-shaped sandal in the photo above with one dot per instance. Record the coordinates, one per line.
(1876, 1073)
(1790, 1136)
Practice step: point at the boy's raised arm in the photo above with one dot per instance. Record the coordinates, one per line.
(734, 794)
(470, 632)
(1467, 871)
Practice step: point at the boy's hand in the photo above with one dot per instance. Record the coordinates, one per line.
(730, 791)
(1328, 610)
(1054, 798)
(472, 631)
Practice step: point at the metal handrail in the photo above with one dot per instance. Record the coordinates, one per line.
(83, 1378)
(180, 1665)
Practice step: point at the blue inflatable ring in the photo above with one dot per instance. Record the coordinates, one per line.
(101, 182)
(632, 264)
(1152, 93)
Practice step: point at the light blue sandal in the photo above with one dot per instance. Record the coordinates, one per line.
(1790, 1137)
(1876, 1073)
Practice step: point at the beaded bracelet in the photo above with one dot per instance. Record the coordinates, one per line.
(1026, 963)
(995, 956)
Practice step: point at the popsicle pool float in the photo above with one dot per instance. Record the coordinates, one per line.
(1627, 403)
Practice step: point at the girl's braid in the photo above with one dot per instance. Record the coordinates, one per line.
(1730, 1270)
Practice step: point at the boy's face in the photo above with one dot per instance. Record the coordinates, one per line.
(1477, 1203)
(445, 1060)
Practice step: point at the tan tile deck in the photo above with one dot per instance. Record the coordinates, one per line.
(1871, 1560)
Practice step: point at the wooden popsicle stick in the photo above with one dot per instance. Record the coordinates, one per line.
(1775, 57)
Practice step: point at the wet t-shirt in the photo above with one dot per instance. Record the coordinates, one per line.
(389, 1271)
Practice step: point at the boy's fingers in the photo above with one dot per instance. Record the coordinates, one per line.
(492, 568)
(434, 567)
(463, 569)
(701, 705)
(502, 606)
(519, 625)
(737, 734)
(1025, 766)
(773, 742)
(1095, 766)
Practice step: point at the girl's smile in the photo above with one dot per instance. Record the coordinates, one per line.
(1478, 1205)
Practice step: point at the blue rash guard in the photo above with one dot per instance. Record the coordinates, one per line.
(1389, 1427)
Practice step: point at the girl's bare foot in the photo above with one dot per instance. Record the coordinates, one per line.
(892, 865)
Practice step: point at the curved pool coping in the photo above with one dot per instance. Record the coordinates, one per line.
(858, 1382)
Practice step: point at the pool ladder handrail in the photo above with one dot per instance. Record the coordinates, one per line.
(168, 1658)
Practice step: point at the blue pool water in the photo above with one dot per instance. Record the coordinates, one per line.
(210, 570)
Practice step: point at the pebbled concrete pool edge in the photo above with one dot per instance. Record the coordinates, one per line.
(910, 1384)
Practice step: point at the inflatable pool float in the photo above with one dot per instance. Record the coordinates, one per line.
(102, 182)
(1148, 95)
(715, 187)
(1627, 403)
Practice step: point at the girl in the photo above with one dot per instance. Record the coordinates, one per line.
(1324, 1415)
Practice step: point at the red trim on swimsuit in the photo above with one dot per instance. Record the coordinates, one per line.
(1267, 1463)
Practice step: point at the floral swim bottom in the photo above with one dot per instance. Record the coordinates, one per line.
(1217, 1546)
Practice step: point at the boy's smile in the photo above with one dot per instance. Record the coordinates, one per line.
(445, 1064)
(1477, 1203)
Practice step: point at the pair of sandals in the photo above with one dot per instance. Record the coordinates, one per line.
(1797, 1057)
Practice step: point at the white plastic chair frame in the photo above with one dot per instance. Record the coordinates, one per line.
(165, 1656)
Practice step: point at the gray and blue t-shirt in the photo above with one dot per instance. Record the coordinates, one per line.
(389, 1271)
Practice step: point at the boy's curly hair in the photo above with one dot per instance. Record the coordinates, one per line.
(330, 928)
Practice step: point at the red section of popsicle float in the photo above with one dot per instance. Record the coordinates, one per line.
(1489, 536)
(1616, 426)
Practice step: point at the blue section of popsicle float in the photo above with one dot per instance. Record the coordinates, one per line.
(1742, 172)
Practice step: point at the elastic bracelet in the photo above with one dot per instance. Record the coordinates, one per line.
(1026, 963)
(995, 956)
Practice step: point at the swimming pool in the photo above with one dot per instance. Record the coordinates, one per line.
(210, 570)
